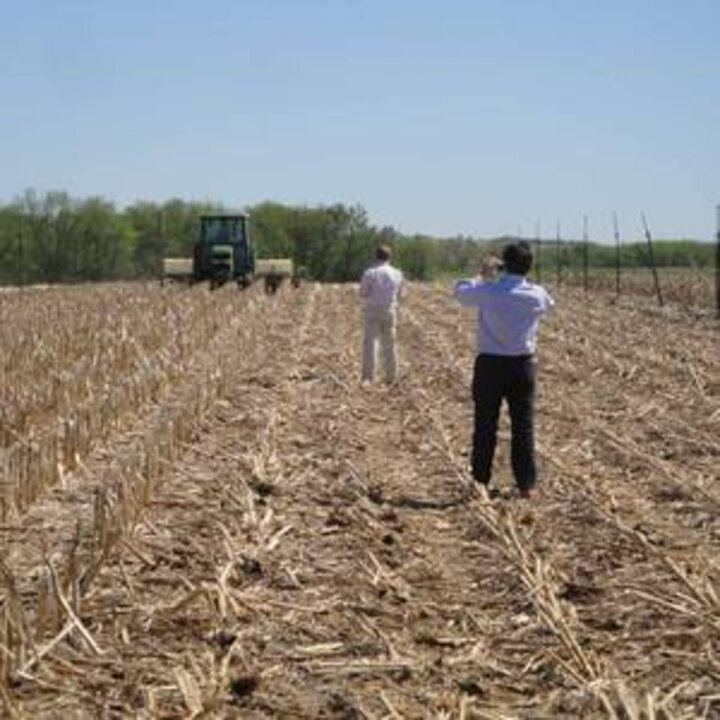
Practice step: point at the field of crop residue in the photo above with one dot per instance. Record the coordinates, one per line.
(205, 515)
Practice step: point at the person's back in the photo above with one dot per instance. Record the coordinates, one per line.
(381, 285)
(380, 289)
(509, 313)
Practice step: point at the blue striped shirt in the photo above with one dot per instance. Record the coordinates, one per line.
(509, 313)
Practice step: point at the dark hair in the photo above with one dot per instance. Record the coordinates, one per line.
(383, 253)
(518, 258)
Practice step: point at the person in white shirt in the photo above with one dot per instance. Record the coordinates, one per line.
(381, 288)
(509, 312)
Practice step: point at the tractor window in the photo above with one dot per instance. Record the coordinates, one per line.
(222, 230)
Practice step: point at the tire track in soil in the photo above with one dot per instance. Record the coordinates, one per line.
(446, 621)
(442, 689)
(360, 663)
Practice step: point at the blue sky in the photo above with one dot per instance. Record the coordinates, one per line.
(476, 117)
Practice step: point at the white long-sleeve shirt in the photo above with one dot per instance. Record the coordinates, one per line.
(381, 286)
(509, 313)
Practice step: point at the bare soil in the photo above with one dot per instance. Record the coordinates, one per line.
(317, 548)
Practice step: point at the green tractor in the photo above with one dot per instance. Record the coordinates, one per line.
(224, 252)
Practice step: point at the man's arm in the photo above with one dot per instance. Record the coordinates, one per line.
(365, 283)
(470, 293)
(401, 287)
(549, 301)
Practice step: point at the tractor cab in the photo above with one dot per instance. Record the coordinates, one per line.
(223, 251)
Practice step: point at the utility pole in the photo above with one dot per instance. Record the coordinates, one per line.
(586, 250)
(717, 262)
(651, 257)
(617, 254)
(21, 260)
(558, 266)
(538, 264)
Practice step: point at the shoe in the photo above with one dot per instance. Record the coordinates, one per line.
(525, 493)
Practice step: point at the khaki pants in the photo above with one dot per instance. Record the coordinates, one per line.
(379, 325)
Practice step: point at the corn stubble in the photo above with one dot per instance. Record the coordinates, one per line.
(205, 515)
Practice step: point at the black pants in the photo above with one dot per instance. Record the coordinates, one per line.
(512, 378)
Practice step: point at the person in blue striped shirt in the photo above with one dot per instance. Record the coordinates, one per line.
(509, 313)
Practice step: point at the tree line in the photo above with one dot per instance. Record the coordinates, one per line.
(53, 238)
